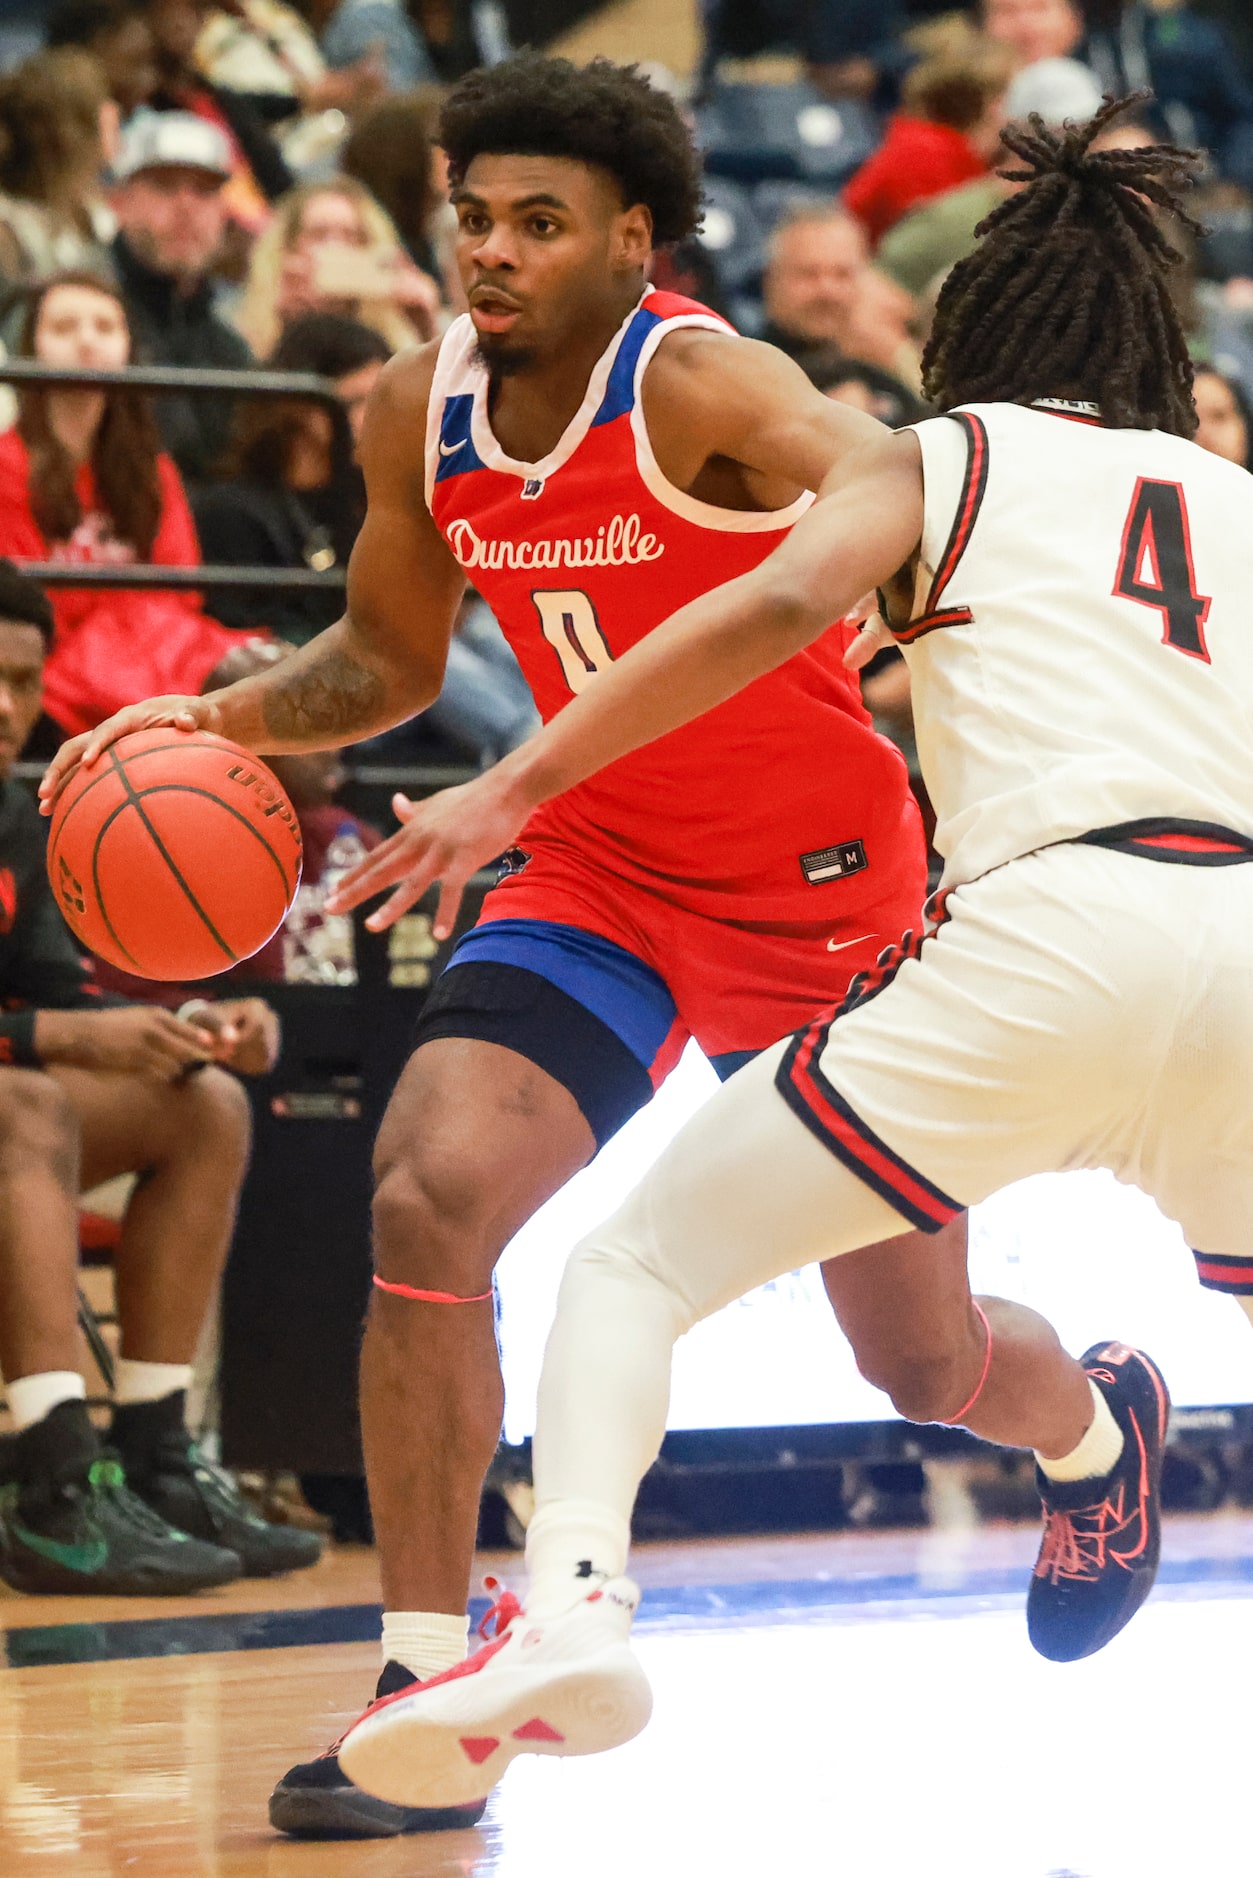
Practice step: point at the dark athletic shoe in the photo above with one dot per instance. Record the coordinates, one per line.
(318, 1801)
(168, 1472)
(69, 1523)
(1102, 1538)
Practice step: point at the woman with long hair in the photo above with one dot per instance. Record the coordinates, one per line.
(292, 495)
(57, 123)
(330, 248)
(83, 478)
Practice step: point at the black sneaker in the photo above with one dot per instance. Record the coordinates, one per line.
(318, 1801)
(168, 1472)
(1102, 1538)
(69, 1523)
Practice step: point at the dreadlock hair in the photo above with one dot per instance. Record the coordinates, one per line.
(603, 114)
(1067, 294)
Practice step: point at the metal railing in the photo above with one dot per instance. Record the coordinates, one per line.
(196, 381)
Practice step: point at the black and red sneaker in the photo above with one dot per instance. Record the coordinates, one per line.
(316, 1800)
(1102, 1538)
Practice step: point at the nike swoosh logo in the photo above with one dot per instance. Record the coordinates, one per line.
(76, 1558)
(450, 449)
(846, 943)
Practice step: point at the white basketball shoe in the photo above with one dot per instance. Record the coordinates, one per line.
(567, 1685)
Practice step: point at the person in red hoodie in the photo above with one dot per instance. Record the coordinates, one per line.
(947, 132)
(83, 478)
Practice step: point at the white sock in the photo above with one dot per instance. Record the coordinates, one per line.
(148, 1382)
(572, 1546)
(1096, 1453)
(33, 1397)
(425, 1642)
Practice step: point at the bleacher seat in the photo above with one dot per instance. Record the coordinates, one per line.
(732, 236)
(751, 132)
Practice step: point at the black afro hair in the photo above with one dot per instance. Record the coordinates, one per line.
(601, 113)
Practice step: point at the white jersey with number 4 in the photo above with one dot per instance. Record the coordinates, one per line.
(1081, 650)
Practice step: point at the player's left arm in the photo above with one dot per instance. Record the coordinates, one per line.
(864, 526)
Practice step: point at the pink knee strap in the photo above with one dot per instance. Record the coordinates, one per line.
(951, 1421)
(435, 1297)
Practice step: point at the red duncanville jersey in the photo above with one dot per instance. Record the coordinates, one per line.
(742, 814)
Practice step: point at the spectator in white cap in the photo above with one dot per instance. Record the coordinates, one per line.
(170, 176)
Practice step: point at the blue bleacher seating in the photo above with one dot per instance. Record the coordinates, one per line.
(732, 236)
(753, 132)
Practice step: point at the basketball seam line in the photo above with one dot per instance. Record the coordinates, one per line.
(136, 801)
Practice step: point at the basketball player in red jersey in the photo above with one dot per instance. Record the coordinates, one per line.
(590, 455)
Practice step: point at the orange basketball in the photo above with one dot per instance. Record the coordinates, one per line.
(174, 856)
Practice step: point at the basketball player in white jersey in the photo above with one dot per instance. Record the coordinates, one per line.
(1070, 578)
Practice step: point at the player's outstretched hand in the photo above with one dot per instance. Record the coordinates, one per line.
(447, 838)
(180, 713)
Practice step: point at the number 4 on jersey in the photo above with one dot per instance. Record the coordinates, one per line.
(1156, 566)
(569, 623)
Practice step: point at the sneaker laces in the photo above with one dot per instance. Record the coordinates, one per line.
(501, 1612)
(106, 1477)
(1074, 1551)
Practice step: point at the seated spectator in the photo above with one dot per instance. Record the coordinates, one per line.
(357, 28)
(170, 175)
(391, 152)
(1035, 29)
(294, 496)
(265, 51)
(946, 133)
(324, 239)
(1201, 84)
(815, 261)
(867, 388)
(924, 244)
(55, 116)
(258, 174)
(1225, 416)
(83, 479)
(880, 328)
(88, 1093)
(117, 35)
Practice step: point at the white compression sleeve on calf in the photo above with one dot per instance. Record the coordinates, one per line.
(425, 1642)
(33, 1397)
(743, 1195)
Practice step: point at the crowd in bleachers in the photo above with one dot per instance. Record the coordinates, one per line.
(255, 182)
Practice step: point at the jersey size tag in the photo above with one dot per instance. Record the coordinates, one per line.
(512, 861)
(846, 857)
(532, 487)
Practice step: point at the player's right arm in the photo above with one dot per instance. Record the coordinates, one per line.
(378, 665)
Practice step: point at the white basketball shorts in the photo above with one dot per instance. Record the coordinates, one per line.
(1080, 1007)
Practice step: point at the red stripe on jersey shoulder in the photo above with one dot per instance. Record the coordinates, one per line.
(672, 306)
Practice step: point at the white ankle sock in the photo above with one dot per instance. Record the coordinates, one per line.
(1096, 1453)
(148, 1382)
(571, 1546)
(33, 1397)
(425, 1642)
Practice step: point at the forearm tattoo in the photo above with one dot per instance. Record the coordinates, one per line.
(336, 698)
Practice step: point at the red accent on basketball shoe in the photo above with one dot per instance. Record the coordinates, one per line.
(476, 1748)
(536, 1730)
(502, 1612)
(1080, 1543)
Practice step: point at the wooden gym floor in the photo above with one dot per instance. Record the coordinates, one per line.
(853, 1704)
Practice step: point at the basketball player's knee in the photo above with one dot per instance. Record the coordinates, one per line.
(924, 1386)
(38, 1127)
(431, 1216)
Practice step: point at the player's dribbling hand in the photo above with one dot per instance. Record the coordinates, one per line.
(446, 839)
(179, 713)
